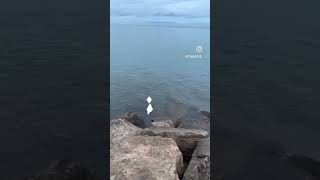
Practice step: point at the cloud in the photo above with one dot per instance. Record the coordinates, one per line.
(150, 8)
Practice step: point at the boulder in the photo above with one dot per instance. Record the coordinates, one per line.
(146, 158)
(121, 128)
(135, 156)
(186, 139)
(134, 119)
(199, 166)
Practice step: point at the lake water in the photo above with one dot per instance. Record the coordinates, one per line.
(148, 60)
(268, 88)
(53, 85)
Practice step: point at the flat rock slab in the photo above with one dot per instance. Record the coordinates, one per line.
(176, 132)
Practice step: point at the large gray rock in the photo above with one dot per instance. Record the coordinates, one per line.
(121, 128)
(199, 166)
(134, 119)
(134, 156)
(186, 139)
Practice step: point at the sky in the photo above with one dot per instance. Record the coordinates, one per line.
(160, 11)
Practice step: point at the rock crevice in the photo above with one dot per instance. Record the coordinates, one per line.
(159, 152)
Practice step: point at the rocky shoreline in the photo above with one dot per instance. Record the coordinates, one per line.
(163, 151)
(166, 149)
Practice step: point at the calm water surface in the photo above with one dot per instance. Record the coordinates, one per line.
(150, 61)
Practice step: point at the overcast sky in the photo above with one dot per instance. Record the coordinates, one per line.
(161, 10)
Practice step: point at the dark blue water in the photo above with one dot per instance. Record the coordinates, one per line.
(148, 60)
(267, 83)
(53, 84)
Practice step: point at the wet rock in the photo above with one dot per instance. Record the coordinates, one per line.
(135, 156)
(65, 170)
(177, 122)
(163, 123)
(205, 113)
(176, 132)
(199, 166)
(134, 119)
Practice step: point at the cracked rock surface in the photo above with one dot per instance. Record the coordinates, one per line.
(138, 157)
